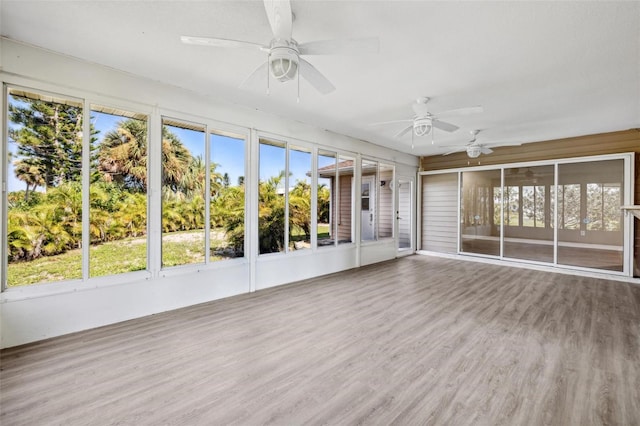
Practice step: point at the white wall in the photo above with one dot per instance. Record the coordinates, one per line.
(38, 312)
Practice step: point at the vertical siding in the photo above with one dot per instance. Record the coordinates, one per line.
(385, 215)
(344, 217)
(440, 213)
(599, 144)
(404, 210)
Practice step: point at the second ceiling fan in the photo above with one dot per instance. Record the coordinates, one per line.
(423, 121)
(284, 61)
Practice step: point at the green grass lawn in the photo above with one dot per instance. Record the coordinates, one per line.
(117, 257)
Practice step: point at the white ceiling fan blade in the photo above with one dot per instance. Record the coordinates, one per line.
(257, 77)
(352, 46)
(222, 42)
(315, 78)
(280, 18)
(443, 125)
(485, 150)
(403, 132)
(391, 122)
(462, 111)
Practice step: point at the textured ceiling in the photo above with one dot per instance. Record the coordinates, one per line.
(540, 70)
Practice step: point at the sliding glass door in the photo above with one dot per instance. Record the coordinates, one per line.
(480, 208)
(528, 214)
(565, 213)
(590, 221)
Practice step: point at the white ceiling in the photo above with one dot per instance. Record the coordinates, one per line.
(541, 70)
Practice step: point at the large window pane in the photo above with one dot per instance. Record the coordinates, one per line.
(385, 211)
(118, 192)
(369, 200)
(299, 198)
(344, 194)
(183, 193)
(271, 197)
(326, 198)
(44, 190)
(227, 192)
(480, 207)
(529, 234)
(589, 200)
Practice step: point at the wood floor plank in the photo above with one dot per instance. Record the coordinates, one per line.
(418, 340)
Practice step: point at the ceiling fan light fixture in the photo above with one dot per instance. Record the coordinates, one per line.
(422, 126)
(283, 63)
(474, 151)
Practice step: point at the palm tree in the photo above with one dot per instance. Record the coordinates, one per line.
(29, 174)
(176, 160)
(300, 209)
(122, 154)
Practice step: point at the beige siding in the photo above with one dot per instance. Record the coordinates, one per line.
(345, 217)
(404, 209)
(440, 212)
(385, 214)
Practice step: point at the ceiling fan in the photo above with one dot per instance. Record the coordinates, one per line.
(474, 148)
(284, 61)
(424, 121)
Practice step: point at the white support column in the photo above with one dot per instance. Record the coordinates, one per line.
(314, 198)
(154, 193)
(4, 138)
(86, 182)
(356, 207)
(251, 202)
(207, 195)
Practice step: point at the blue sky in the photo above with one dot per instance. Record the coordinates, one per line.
(226, 152)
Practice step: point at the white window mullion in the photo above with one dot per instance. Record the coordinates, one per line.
(502, 194)
(86, 182)
(207, 196)
(286, 198)
(314, 198)
(555, 213)
(154, 193)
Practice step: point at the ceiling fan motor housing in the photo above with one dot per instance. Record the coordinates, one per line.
(283, 61)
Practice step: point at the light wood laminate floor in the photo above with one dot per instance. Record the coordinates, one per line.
(419, 340)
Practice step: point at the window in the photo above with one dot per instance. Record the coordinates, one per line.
(569, 206)
(603, 207)
(325, 201)
(344, 195)
(512, 206)
(533, 206)
(44, 188)
(183, 193)
(368, 200)
(118, 192)
(386, 211)
(272, 197)
(299, 193)
(227, 196)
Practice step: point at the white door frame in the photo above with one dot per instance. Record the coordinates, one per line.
(409, 211)
(368, 216)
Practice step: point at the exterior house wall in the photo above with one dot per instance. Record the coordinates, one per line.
(345, 219)
(385, 216)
